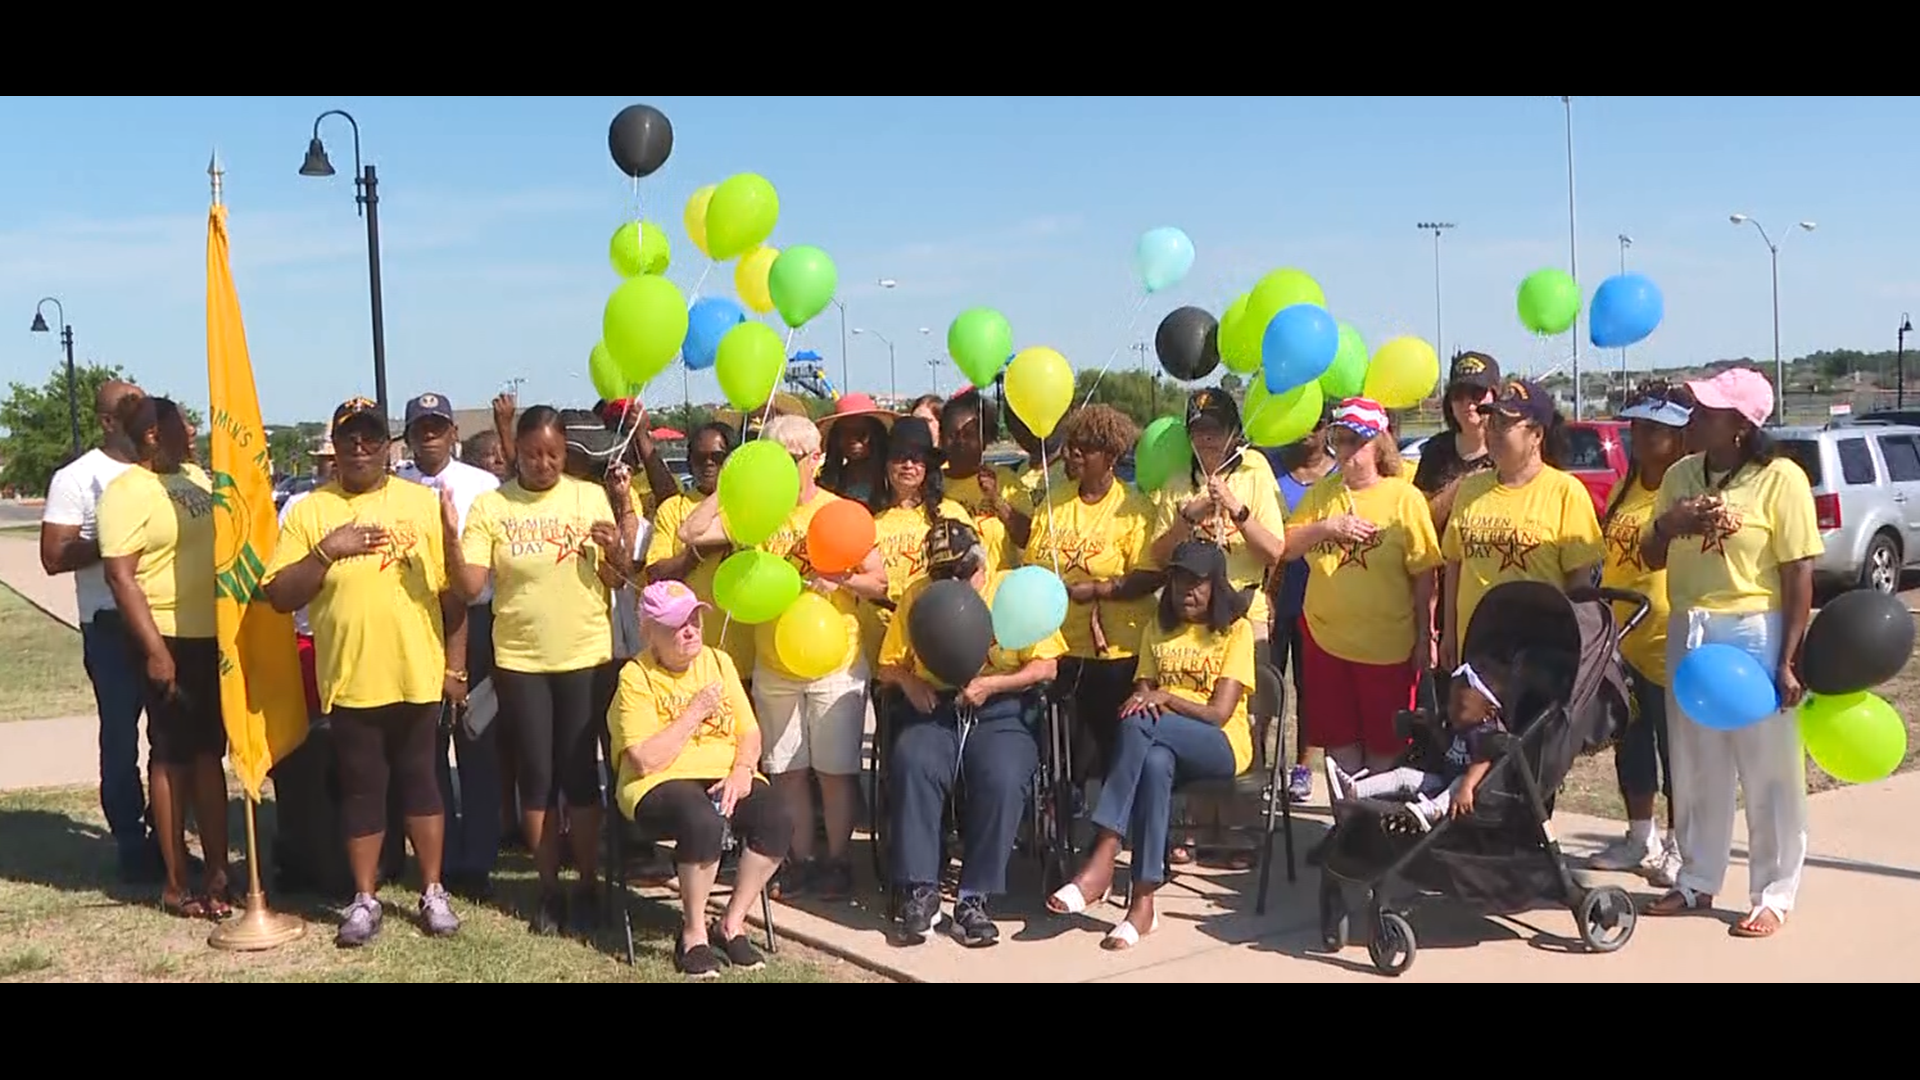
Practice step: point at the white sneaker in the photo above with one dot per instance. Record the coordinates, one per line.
(1336, 782)
(1425, 812)
(1666, 870)
(1631, 855)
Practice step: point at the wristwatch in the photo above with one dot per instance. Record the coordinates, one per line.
(1246, 511)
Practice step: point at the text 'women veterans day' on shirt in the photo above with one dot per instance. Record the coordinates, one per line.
(1542, 530)
(550, 608)
(1187, 661)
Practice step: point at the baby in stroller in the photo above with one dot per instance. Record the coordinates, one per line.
(1474, 714)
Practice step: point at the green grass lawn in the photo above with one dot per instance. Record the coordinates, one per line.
(41, 671)
(65, 918)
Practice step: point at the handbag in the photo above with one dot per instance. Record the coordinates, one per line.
(483, 704)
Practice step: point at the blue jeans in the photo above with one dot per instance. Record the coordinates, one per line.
(118, 678)
(1641, 763)
(1154, 754)
(994, 769)
(473, 832)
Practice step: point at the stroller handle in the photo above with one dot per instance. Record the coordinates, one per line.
(1642, 605)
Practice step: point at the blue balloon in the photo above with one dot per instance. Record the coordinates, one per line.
(1299, 347)
(707, 322)
(1162, 258)
(1724, 688)
(1626, 308)
(1029, 605)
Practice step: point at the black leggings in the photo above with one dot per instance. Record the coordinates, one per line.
(374, 747)
(682, 811)
(1096, 690)
(555, 719)
(1291, 641)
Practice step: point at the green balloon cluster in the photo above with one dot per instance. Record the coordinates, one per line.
(643, 326)
(759, 487)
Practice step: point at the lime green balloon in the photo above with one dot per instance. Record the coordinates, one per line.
(1854, 738)
(802, 283)
(1349, 371)
(608, 380)
(980, 340)
(639, 247)
(759, 487)
(1549, 301)
(1239, 343)
(750, 362)
(643, 326)
(1281, 290)
(1164, 452)
(1281, 419)
(741, 215)
(755, 587)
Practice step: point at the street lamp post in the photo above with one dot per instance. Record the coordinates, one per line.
(1573, 259)
(893, 382)
(1436, 227)
(66, 341)
(366, 184)
(1900, 362)
(1625, 243)
(1779, 365)
(846, 384)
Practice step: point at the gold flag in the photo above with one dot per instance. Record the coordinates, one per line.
(261, 695)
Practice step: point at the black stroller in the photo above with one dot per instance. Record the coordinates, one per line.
(1570, 698)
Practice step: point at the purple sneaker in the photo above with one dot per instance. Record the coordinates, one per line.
(436, 912)
(1299, 783)
(360, 924)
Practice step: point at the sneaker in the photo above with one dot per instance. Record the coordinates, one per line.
(921, 913)
(834, 879)
(972, 926)
(1299, 783)
(1424, 812)
(436, 912)
(549, 915)
(1336, 782)
(360, 924)
(1628, 853)
(1666, 872)
(791, 881)
(699, 962)
(738, 951)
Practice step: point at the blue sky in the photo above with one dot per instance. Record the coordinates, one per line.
(496, 214)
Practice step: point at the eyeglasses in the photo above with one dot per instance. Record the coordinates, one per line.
(701, 458)
(353, 443)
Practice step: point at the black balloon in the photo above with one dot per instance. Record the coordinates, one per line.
(641, 140)
(1856, 643)
(951, 630)
(1188, 343)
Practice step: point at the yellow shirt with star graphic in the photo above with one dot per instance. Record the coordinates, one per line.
(901, 535)
(1646, 647)
(790, 543)
(1100, 541)
(378, 638)
(1359, 603)
(665, 544)
(550, 608)
(966, 491)
(167, 520)
(1251, 481)
(1188, 660)
(651, 698)
(1543, 530)
(1738, 572)
(897, 651)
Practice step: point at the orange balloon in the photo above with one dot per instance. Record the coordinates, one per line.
(839, 536)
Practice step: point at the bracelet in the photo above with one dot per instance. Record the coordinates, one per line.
(457, 676)
(325, 560)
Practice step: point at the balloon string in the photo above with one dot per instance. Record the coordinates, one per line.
(1046, 488)
(694, 296)
(1133, 317)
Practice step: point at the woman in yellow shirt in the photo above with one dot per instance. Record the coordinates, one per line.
(554, 549)
(1185, 721)
(156, 543)
(1659, 415)
(684, 745)
(1736, 531)
(670, 558)
(1524, 520)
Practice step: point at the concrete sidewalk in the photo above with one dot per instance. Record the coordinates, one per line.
(20, 570)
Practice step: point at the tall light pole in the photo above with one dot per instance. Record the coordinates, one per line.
(933, 357)
(846, 385)
(1436, 227)
(1900, 362)
(893, 382)
(66, 341)
(1625, 243)
(366, 184)
(1573, 259)
(1779, 365)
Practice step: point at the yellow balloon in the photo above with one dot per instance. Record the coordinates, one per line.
(695, 217)
(1403, 373)
(750, 278)
(811, 637)
(1039, 389)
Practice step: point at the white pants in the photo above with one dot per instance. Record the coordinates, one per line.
(1767, 760)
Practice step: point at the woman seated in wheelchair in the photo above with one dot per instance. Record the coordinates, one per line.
(980, 738)
(1186, 722)
(1473, 718)
(686, 741)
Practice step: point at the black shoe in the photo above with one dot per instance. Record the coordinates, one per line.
(739, 951)
(834, 881)
(920, 914)
(699, 962)
(584, 909)
(792, 881)
(549, 915)
(972, 926)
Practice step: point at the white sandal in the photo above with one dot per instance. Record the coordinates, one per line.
(1124, 937)
(1071, 900)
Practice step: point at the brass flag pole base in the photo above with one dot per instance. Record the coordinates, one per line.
(259, 928)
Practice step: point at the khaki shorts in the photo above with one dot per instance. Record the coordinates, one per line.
(819, 725)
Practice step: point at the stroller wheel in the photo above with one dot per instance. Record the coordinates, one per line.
(1392, 947)
(1334, 923)
(1607, 917)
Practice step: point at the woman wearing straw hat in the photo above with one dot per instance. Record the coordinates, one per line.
(855, 437)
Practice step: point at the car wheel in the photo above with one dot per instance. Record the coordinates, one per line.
(1881, 570)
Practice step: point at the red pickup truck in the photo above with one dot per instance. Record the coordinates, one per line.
(1598, 453)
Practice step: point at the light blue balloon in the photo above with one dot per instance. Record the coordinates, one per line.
(1029, 605)
(1626, 308)
(1162, 258)
(707, 322)
(1724, 688)
(1298, 347)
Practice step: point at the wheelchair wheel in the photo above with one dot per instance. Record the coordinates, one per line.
(1334, 922)
(1607, 919)
(1392, 947)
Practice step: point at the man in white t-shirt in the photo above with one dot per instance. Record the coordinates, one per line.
(473, 834)
(69, 544)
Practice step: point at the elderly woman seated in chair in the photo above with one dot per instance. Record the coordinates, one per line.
(980, 737)
(1186, 722)
(685, 738)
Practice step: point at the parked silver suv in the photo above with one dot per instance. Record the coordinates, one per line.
(1866, 491)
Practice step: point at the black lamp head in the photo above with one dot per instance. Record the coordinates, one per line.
(1906, 324)
(316, 163)
(39, 324)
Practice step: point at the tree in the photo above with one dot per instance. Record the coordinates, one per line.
(39, 439)
(1142, 396)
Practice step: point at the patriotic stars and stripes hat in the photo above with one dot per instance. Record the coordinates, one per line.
(1363, 416)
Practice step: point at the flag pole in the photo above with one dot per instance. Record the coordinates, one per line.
(259, 928)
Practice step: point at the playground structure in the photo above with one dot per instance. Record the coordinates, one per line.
(808, 375)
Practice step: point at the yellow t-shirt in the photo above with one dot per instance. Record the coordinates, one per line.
(897, 651)
(993, 532)
(665, 544)
(1739, 572)
(378, 638)
(1251, 481)
(1359, 602)
(901, 536)
(1543, 530)
(648, 701)
(1097, 542)
(167, 520)
(1646, 647)
(550, 608)
(790, 543)
(1188, 660)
